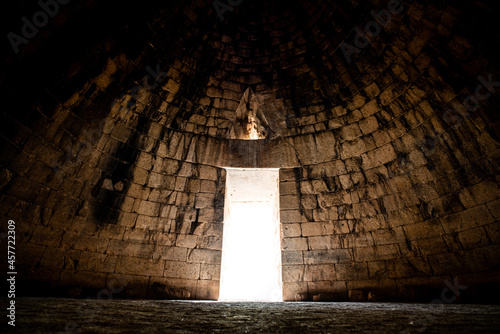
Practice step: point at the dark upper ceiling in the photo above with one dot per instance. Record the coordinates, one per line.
(287, 51)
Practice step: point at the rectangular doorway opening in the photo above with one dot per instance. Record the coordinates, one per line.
(251, 244)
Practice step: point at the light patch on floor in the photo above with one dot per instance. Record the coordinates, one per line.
(251, 249)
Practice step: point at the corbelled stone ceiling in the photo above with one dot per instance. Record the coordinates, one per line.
(119, 118)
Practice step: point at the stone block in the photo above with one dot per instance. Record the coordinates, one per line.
(294, 244)
(474, 238)
(341, 227)
(319, 243)
(207, 172)
(291, 257)
(289, 202)
(294, 291)
(357, 240)
(485, 191)
(430, 246)
(146, 222)
(327, 256)
(353, 148)
(204, 201)
(210, 242)
(171, 253)
(369, 125)
(149, 209)
(374, 253)
(136, 234)
(338, 289)
(370, 108)
(96, 262)
(350, 132)
(182, 270)
(187, 241)
(208, 186)
(393, 203)
(467, 219)
(408, 267)
(328, 200)
(292, 273)
(309, 201)
(210, 272)
(204, 256)
(139, 266)
(388, 236)
(130, 248)
(377, 269)
(91, 244)
(351, 271)
(291, 230)
(288, 188)
(313, 229)
(423, 230)
(493, 231)
(291, 216)
(322, 272)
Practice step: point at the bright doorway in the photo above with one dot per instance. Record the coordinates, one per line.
(251, 247)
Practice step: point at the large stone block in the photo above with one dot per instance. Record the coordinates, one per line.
(353, 148)
(292, 273)
(312, 229)
(327, 256)
(291, 257)
(210, 271)
(139, 266)
(474, 238)
(351, 271)
(423, 230)
(309, 201)
(430, 246)
(322, 272)
(182, 270)
(204, 256)
(91, 244)
(468, 219)
(294, 244)
(389, 236)
(130, 248)
(187, 241)
(291, 216)
(204, 201)
(96, 262)
(291, 230)
(294, 291)
(289, 202)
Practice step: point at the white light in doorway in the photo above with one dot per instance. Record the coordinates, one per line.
(251, 249)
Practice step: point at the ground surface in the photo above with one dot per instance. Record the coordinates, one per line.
(38, 315)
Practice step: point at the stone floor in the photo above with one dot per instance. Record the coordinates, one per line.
(40, 315)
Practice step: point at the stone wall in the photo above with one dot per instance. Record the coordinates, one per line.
(112, 153)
